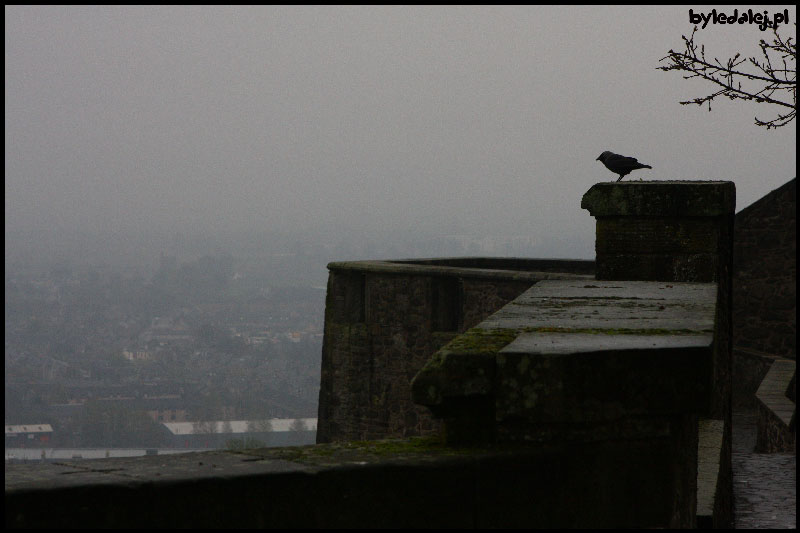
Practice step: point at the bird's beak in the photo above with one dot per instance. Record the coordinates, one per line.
(598, 158)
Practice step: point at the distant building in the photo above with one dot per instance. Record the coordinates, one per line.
(138, 355)
(28, 435)
(218, 434)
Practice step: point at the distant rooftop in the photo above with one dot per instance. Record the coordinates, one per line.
(28, 428)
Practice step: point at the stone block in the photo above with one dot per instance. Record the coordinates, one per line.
(567, 354)
(561, 378)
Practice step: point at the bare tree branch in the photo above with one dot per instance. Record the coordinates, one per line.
(777, 84)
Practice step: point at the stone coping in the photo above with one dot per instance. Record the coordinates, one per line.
(575, 266)
(625, 307)
(661, 198)
(489, 268)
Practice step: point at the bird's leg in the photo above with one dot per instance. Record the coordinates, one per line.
(622, 176)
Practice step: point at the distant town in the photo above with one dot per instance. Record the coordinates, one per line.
(104, 358)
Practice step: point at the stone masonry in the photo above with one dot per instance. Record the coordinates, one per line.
(383, 320)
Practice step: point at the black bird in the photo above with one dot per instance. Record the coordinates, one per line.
(619, 164)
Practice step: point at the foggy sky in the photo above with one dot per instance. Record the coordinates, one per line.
(375, 122)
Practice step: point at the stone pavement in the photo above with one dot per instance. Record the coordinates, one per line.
(764, 485)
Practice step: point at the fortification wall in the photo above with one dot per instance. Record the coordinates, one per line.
(765, 274)
(384, 320)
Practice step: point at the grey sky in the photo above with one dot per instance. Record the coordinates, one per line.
(376, 121)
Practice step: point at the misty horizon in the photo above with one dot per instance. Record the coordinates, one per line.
(368, 124)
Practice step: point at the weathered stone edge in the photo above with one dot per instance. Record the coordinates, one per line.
(389, 267)
(625, 199)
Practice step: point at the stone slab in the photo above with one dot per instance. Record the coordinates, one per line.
(652, 307)
(569, 343)
(418, 269)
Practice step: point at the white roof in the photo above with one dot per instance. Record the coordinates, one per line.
(29, 428)
(237, 426)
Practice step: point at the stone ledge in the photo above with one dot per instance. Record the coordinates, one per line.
(412, 483)
(525, 264)
(439, 268)
(776, 413)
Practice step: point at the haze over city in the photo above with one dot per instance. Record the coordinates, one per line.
(126, 126)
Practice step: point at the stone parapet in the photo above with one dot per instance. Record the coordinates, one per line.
(489, 268)
(408, 483)
(623, 366)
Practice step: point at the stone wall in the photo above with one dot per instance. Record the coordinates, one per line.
(368, 354)
(384, 320)
(765, 274)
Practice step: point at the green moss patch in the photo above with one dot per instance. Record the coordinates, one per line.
(478, 340)
(362, 452)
